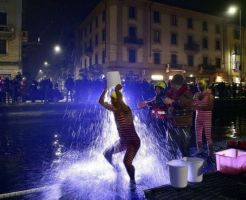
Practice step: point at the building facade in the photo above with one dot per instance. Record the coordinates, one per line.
(10, 37)
(143, 38)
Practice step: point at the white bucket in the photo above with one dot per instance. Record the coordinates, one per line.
(194, 165)
(113, 78)
(178, 173)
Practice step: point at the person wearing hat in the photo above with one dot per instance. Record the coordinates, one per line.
(156, 105)
(179, 100)
(157, 109)
(203, 102)
(129, 139)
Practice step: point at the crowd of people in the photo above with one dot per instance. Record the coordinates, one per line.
(19, 90)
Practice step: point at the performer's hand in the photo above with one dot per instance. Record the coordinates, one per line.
(142, 104)
(118, 87)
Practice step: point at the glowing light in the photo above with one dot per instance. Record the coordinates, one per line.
(232, 10)
(157, 77)
(237, 80)
(170, 77)
(46, 63)
(191, 75)
(219, 79)
(57, 49)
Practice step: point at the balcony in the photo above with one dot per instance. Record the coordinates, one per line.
(177, 66)
(191, 47)
(210, 69)
(6, 32)
(133, 40)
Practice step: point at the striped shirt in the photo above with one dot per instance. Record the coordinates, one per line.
(124, 123)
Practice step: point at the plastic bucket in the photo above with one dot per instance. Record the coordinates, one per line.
(113, 78)
(195, 166)
(178, 172)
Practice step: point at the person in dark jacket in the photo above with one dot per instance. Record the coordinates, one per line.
(179, 99)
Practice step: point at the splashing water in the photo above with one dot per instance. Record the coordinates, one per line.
(82, 172)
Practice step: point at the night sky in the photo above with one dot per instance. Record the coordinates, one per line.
(54, 21)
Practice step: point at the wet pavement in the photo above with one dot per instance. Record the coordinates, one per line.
(61, 145)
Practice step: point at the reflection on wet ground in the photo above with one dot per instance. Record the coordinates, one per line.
(66, 153)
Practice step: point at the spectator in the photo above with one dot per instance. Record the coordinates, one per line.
(179, 99)
(69, 85)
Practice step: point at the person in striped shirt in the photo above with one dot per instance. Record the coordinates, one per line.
(129, 139)
(203, 102)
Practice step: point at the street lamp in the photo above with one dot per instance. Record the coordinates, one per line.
(57, 49)
(46, 63)
(232, 10)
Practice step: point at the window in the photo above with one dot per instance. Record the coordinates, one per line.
(217, 44)
(190, 39)
(96, 22)
(205, 43)
(174, 20)
(173, 59)
(205, 60)
(132, 12)
(236, 34)
(132, 55)
(217, 28)
(157, 58)
(218, 62)
(104, 16)
(132, 32)
(3, 46)
(3, 18)
(204, 26)
(96, 58)
(237, 49)
(157, 17)
(190, 23)
(96, 40)
(190, 61)
(157, 36)
(103, 56)
(103, 35)
(174, 38)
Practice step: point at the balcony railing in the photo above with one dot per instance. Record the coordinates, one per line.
(176, 66)
(133, 40)
(191, 47)
(208, 68)
(6, 32)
